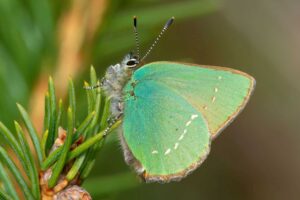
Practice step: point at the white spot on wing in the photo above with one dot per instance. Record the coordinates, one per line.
(216, 89)
(213, 99)
(167, 151)
(188, 123)
(181, 137)
(194, 116)
(154, 152)
(176, 145)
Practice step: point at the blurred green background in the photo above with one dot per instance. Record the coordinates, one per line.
(257, 157)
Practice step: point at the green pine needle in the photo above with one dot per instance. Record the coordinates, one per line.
(52, 120)
(4, 196)
(33, 172)
(72, 99)
(84, 125)
(76, 167)
(5, 158)
(32, 132)
(13, 143)
(47, 112)
(7, 183)
(43, 142)
(58, 118)
(64, 153)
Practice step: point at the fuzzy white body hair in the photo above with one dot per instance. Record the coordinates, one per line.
(113, 83)
(128, 156)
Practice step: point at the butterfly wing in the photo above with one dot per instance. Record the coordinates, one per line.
(218, 93)
(172, 111)
(163, 131)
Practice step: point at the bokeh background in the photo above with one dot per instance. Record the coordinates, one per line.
(257, 157)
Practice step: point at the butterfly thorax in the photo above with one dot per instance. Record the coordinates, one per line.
(114, 81)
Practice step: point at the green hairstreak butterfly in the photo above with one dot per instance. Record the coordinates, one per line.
(172, 111)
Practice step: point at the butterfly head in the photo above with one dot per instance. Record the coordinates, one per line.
(131, 61)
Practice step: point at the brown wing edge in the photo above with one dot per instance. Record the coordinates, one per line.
(176, 176)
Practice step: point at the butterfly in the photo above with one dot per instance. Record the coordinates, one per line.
(171, 111)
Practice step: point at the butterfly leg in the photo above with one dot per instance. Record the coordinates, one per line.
(116, 110)
(111, 121)
(93, 86)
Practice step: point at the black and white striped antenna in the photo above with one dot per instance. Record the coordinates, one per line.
(136, 36)
(166, 26)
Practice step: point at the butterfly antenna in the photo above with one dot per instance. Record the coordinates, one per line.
(167, 25)
(136, 36)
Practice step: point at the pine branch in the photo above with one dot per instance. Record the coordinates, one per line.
(64, 157)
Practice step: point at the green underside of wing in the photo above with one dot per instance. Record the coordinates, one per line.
(166, 96)
(163, 131)
(218, 93)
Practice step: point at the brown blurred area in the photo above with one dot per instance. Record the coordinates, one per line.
(75, 31)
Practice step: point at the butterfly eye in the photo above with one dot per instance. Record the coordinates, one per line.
(131, 63)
